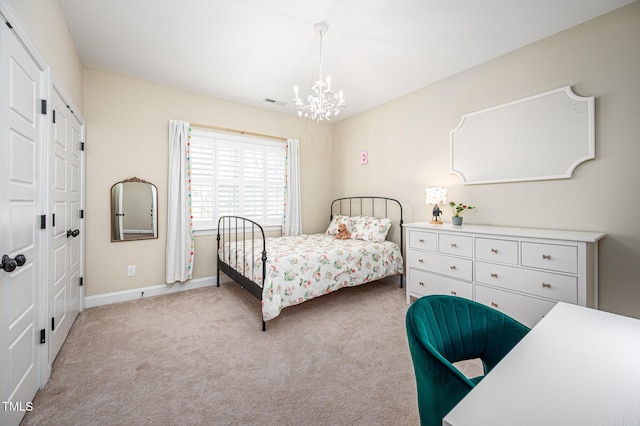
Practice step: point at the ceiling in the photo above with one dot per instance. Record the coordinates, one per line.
(251, 50)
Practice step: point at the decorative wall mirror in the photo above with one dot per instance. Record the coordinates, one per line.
(134, 206)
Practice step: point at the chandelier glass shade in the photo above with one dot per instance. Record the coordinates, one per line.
(323, 102)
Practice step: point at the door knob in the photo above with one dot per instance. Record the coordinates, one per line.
(73, 233)
(9, 264)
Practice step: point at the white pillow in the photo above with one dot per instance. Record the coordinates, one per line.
(371, 229)
(333, 226)
(351, 223)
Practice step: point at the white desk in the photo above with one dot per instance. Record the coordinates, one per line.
(578, 366)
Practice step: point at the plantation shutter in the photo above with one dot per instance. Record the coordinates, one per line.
(236, 176)
(202, 186)
(227, 164)
(254, 174)
(274, 184)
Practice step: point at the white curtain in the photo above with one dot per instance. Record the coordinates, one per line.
(292, 217)
(180, 243)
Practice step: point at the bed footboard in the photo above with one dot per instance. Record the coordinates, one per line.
(244, 233)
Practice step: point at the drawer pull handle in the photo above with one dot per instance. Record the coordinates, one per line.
(494, 251)
(546, 285)
(421, 283)
(421, 240)
(546, 256)
(494, 304)
(454, 293)
(452, 267)
(494, 275)
(420, 261)
(454, 245)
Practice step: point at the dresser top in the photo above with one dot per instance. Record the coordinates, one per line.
(554, 234)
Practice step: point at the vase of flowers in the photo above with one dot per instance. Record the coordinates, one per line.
(458, 209)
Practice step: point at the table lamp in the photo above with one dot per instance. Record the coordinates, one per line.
(436, 195)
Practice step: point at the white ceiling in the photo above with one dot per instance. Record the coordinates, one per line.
(249, 50)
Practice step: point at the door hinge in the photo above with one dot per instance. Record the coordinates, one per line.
(43, 221)
(43, 106)
(80, 281)
(8, 24)
(54, 116)
(53, 220)
(82, 214)
(81, 146)
(42, 336)
(53, 324)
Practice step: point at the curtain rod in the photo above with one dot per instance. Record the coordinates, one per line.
(242, 132)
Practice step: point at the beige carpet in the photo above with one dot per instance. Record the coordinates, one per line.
(199, 358)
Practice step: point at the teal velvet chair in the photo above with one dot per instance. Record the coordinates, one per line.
(445, 329)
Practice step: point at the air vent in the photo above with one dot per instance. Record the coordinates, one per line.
(273, 101)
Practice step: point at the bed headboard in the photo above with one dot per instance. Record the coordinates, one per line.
(379, 207)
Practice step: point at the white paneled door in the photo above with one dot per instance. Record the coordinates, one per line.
(65, 185)
(21, 239)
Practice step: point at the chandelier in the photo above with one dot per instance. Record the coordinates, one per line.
(322, 102)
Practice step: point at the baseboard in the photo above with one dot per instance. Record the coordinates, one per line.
(154, 290)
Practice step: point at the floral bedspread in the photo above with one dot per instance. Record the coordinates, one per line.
(303, 267)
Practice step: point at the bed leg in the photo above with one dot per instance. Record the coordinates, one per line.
(401, 279)
(264, 326)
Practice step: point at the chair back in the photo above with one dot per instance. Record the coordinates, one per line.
(445, 329)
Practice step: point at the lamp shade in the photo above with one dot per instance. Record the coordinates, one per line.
(435, 195)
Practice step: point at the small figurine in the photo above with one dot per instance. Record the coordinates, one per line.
(436, 215)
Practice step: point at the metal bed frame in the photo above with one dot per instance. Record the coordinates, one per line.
(244, 232)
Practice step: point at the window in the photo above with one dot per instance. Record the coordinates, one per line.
(236, 175)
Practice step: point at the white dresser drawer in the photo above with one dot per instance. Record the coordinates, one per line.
(550, 256)
(422, 240)
(446, 265)
(525, 309)
(458, 245)
(524, 271)
(545, 284)
(503, 251)
(423, 283)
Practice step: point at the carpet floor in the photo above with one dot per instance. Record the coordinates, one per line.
(199, 357)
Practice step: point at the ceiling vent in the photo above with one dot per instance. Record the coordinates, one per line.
(274, 101)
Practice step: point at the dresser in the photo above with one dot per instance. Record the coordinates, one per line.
(522, 272)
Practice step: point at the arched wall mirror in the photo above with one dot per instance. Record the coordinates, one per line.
(134, 206)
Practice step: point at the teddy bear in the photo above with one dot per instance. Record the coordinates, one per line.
(343, 232)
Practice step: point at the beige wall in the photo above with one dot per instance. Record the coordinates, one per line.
(127, 135)
(47, 28)
(408, 144)
(407, 140)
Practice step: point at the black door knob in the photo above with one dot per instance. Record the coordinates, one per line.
(20, 259)
(9, 264)
(73, 233)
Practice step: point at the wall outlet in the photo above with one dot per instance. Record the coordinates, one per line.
(131, 270)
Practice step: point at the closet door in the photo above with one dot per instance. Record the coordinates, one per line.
(65, 166)
(22, 134)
